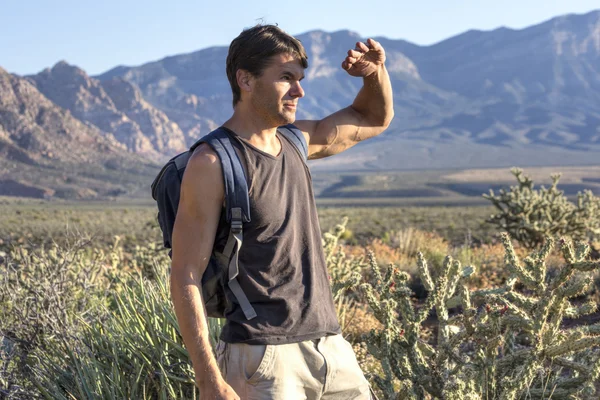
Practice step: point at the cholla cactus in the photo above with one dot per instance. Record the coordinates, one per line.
(530, 215)
(344, 272)
(491, 344)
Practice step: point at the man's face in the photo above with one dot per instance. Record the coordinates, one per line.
(276, 92)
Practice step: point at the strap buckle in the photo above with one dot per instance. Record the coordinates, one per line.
(236, 220)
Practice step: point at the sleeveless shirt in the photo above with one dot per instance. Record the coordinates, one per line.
(282, 266)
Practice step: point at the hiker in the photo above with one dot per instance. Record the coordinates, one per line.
(291, 346)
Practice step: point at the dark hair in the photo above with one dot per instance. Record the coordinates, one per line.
(253, 49)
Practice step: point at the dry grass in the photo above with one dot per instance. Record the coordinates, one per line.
(538, 174)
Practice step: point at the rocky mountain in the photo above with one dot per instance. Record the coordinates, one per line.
(533, 98)
(542, 82)
(196, 85)
(498, 98)
(165, 136)
(480, 99)
(46, 152)
(114, 106)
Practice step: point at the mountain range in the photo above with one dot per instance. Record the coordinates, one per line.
(480, 99)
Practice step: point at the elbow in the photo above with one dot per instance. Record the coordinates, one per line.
(174, 283)
(177, 278)
(381, 121)
(180, 284)
(385, 116)
(384, 121)
(185, 274)
(387, 120)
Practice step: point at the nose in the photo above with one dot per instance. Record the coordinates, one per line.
(296, 90)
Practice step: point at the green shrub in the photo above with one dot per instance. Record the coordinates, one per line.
(344, 272)
(530, 215)
(134, 351)
(491, 344)
(97, 323)
(51, 293)
(42, 295)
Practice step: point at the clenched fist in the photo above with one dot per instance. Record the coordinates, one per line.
(365, 59)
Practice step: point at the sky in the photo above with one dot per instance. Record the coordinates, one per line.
(99, 35)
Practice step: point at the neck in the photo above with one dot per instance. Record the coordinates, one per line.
(251, 127)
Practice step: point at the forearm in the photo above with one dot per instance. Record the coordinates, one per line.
(375, 101)
(191, 316)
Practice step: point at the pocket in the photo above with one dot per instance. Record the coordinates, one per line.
(257, 361)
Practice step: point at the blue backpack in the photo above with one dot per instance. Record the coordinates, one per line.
(222, 268)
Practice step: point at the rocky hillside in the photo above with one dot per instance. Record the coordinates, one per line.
(542, 83)
(114, 106)
(500, 98)
(46, 152)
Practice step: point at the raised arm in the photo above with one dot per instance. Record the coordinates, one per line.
(368, 116)
(202, 195)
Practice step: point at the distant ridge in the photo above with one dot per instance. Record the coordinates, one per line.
(498, 98)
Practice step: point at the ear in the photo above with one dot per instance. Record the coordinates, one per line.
(244, 80)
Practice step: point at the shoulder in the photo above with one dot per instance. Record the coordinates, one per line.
(305, 127)
(204, 159)
(203, 171)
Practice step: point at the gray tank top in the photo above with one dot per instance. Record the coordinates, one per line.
(281, 261)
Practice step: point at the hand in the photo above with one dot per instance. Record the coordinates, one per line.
(365, 59)
(218, 391)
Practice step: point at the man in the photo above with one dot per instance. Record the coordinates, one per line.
(293, 348)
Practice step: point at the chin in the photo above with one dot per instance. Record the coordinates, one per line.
(287, 118)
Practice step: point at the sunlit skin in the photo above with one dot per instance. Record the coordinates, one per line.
(277, 91)
(271, 100)
(266, 102)
(365, 59)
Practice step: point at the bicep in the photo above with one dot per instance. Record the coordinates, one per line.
(198, 214)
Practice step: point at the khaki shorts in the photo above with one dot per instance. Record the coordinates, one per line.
(324, 369)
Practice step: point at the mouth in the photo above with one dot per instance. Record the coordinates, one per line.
(290, 106)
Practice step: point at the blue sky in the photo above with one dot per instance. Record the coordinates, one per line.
(98, 35)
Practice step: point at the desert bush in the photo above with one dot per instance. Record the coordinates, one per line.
(134, 351)
(42, 295)
(72, 315)
(493, 344)
(103, 327)
(50, 292)
(530, 215)
(451, 223)
(410, 241)
(344, 272)
(31, 224)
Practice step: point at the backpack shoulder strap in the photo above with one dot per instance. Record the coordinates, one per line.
(234, 177)
(237, 206)
(295, 135)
